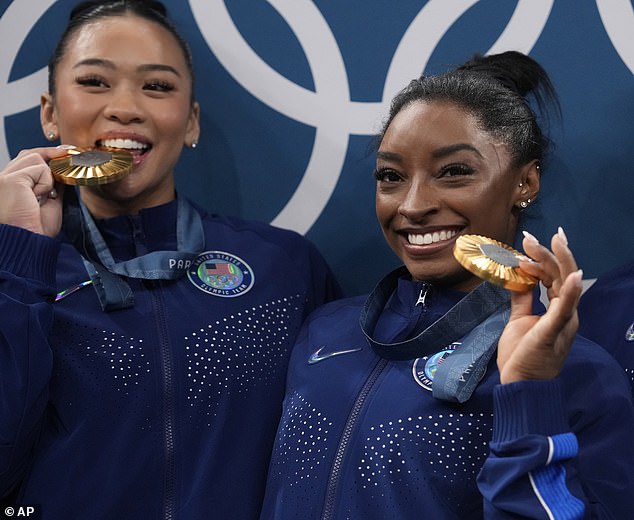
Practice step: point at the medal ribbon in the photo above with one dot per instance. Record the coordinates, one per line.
(105, 272)
(477, 320)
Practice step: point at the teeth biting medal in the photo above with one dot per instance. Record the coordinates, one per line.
(91, 166)
(493, 261)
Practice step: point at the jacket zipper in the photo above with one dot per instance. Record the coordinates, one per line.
(168, 400)
(422, 296)
(346, 436)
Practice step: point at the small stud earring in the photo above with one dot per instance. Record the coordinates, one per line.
(194, 144)
(521, 184)
(51, 136)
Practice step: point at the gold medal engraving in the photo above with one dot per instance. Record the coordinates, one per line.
(493, 261)
(89, 167)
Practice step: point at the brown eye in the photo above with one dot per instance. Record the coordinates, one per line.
(456, 170)
(91, 81)
(158, 86)
(387, 175)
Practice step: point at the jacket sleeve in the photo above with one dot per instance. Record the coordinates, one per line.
(27, 273)
(605, 314)
(561, 449)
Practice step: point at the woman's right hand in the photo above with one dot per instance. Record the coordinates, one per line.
(29, 196)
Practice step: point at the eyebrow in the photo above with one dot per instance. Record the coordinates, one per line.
(388, 156)
(448, 150)
(149, 67)
(436, 154)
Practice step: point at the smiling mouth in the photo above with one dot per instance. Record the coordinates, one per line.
(420, 239)
(132, 146)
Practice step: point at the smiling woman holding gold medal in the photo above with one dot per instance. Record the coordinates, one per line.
(144, 342)
(439, 395)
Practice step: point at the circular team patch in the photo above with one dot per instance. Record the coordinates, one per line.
(221, 274)
(424, 369)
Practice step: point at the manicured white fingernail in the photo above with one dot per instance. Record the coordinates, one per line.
(530, 238)
(66, 146)
(562, 235)
(578, 277)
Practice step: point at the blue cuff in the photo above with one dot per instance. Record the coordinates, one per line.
(28, 255)
(529, 408)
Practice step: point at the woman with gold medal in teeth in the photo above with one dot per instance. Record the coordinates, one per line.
(144, 342)
(440, 395)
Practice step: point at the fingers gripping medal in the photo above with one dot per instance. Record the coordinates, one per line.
(91, 166)
(493, 261)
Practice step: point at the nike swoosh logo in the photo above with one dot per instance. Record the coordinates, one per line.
(318, 356)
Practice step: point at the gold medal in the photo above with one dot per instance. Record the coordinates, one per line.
(91, 166)
(493, 261)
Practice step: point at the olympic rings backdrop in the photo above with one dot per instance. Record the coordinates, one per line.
(293, 91)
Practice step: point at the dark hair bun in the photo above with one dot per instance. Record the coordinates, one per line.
(513, 69)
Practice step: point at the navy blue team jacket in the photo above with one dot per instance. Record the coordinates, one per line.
(362, 437)
(606, 315)
(166, 410)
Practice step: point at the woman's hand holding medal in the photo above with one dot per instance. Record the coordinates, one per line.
(535, 347)
(30, 197)
(31, 184)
